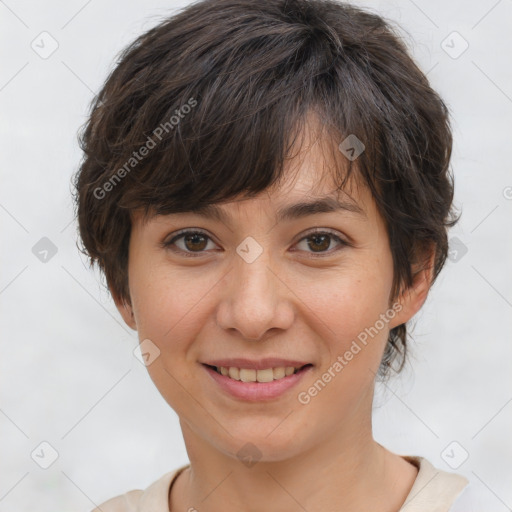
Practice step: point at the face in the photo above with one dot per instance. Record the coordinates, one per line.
(257, 290)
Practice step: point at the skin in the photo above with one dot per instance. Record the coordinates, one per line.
(289, 302)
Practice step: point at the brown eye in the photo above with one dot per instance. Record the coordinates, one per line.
(321, 242)
(189, 243)
(195, 242)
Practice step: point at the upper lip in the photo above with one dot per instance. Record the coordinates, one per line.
(261, 364)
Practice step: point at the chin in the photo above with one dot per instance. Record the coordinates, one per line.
(264, 447)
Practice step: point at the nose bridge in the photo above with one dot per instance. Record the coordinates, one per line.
(254, 300)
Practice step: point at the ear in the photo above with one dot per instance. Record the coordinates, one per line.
(412, 299)
(126, 311)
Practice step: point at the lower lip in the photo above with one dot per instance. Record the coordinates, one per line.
(256, 391)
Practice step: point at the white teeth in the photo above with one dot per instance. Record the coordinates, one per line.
(251, 375)
(279, 373)
(265, 375)
(234, 373)
(247, 375)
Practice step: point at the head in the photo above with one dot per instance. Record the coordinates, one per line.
(217, 121)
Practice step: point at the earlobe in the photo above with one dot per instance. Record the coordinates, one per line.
(411, 299)
(126, 311)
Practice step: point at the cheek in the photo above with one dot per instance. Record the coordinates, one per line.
(351, 299)
(169, 310)
(162, 300)
(172, 305)
(349, 316)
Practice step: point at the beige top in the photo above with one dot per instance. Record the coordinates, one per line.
(433, 491)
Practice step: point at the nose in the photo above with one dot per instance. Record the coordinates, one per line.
(256, 300)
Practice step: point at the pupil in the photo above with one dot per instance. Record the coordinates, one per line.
(193, 239)
(323, 238)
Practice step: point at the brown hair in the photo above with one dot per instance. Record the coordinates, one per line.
(202, 107)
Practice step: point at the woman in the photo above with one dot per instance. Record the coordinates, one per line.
(266, 189)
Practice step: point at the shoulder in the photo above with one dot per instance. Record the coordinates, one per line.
(154, 498)
(434, 490)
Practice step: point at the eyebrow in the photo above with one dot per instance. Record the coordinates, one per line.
(289, 212)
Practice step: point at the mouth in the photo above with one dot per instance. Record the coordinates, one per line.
(268, 382)
(253, 375)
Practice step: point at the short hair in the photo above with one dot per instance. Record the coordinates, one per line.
(216, 92)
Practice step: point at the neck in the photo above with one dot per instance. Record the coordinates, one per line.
(343, 472)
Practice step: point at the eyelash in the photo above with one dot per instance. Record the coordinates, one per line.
(182, 234)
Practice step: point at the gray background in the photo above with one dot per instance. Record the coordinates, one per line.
(68, 373)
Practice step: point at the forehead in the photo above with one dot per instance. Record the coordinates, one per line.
(316, 171)
(284, 204)
(307, 186)
(312, 181)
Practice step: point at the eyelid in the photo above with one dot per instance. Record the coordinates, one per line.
(328, 231)
(186, 231)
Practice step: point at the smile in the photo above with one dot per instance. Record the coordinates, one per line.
(252, 375)
(250, 384)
